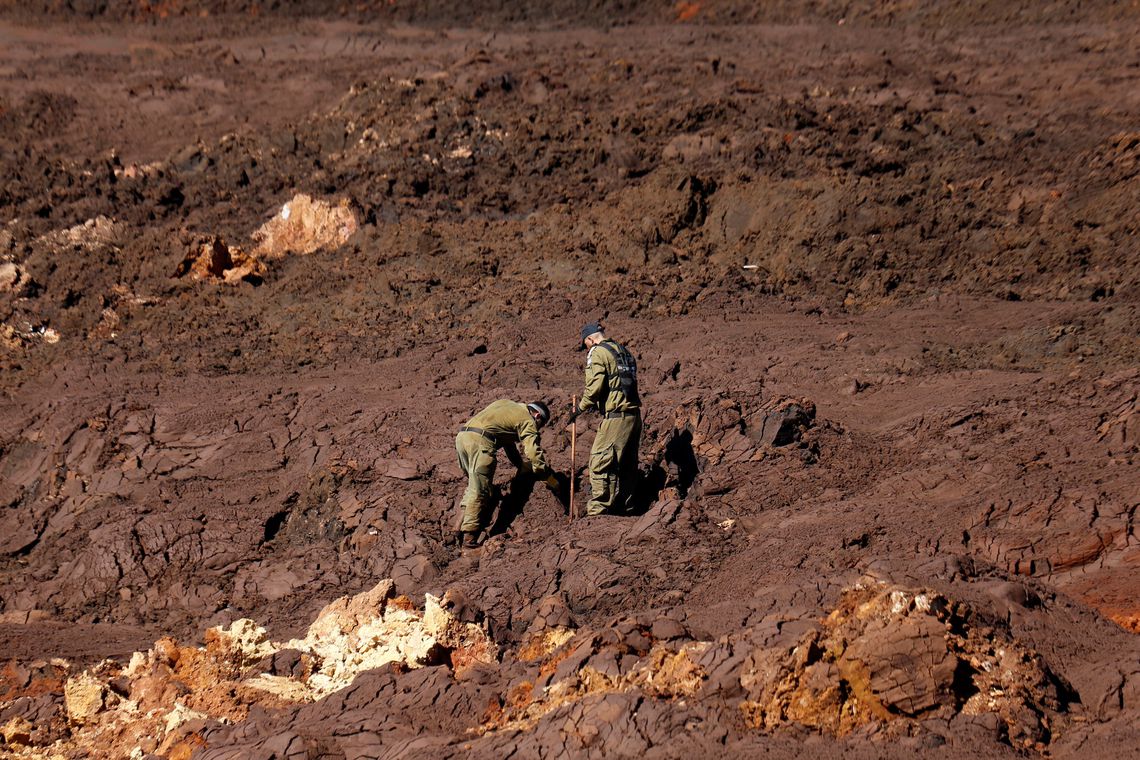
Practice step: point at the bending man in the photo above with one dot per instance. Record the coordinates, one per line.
(502, 425)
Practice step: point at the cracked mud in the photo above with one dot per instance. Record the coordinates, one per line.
(877, 264)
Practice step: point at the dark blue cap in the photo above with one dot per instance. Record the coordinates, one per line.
(588, 330)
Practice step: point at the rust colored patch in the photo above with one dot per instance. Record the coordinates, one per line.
(185, 748)
(552, 664)
(15, 684)
(687, 11)
(402, 602)
(1128, 620)
(521, 695)
(494, 716)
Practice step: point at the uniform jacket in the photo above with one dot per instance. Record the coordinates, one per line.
(603, 392)
(509, 422)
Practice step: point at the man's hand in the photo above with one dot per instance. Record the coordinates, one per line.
(574, 414)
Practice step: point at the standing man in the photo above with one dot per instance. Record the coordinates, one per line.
(501, 425)
(611, 388)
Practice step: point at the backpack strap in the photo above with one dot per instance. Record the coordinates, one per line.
(626, 369)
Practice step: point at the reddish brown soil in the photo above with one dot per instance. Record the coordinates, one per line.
(925, 228)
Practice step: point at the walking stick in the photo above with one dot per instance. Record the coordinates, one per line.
(573, 444)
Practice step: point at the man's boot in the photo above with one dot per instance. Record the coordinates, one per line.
(458, 538)
(471, 539)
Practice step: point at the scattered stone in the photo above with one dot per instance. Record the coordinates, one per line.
(887, 654)
(356, 634)
(138, 171)
(179, 715)
(94, 233)
(400, 469)
(170, 691)
(244, 641)
(849, 386)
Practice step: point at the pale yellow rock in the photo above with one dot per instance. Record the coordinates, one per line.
(284, 687)
(83, 697)
(245, 638)
(443, 626)
(544, 643)
(305, 225)
(347, 613)
(17, 731)
(9, 275)
(179, 715)
(674, 674)
(94, 233)
(364, 632)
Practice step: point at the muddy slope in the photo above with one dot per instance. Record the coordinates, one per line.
(881, 284)
(895, 167)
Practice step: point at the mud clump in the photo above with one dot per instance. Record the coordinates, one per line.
(896, 658)
(887, 656)
(214, 260)
(302, 227)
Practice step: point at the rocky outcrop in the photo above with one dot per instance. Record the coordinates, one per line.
(900, 659)
(162, 698)
(889, 654)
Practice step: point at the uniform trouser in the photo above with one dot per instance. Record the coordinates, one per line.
(476, 458)
(613, 464)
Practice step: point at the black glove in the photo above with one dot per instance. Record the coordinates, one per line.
(574, 414)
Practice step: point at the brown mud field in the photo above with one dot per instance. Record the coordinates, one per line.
(880, 267)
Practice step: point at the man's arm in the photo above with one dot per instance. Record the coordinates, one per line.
(528, 437)
(595, 383)
(513, 455)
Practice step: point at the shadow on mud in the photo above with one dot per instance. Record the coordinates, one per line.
(676, 467)
(511, 502)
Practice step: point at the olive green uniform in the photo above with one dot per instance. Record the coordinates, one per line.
(613, 458)
(501, 425)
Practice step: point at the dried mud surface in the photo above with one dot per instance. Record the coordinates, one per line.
(257, 264)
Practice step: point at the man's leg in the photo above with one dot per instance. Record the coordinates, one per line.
(479, 464)
(627, 444)
(603, 470)
(463, 460)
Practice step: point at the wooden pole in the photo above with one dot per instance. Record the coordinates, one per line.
(573, 445)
